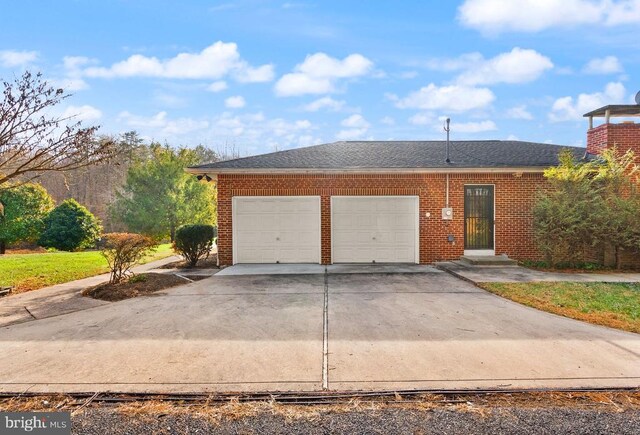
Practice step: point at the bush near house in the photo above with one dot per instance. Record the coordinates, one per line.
(124, 250)
(70, 227)
(592, 207)
(194, 242)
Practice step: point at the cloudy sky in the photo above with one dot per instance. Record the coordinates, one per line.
(266, 75)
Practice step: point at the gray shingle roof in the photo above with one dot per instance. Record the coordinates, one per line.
(403, 155)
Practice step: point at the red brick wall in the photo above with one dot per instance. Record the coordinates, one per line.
(624, 136)
(514, 197)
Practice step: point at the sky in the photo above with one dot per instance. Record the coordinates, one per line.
(258, 76)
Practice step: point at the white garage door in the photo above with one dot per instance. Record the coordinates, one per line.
(276, 229)
(381, 229)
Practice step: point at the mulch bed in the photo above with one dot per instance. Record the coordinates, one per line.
(143, 284)
(207, 263)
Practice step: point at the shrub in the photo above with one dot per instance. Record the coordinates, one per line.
(194, 242)
(23, 209)
(123, 251)
(70, 227)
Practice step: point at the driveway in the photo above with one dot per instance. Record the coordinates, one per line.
(336, 331)
(61, 298)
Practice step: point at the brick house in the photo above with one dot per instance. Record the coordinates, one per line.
(389, 201)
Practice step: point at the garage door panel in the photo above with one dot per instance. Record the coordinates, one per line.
(368, 229)
(276, 229)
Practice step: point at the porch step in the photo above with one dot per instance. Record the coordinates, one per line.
(487, 260)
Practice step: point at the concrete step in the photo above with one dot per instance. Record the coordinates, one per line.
(488, 260)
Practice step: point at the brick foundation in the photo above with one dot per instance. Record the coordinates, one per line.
(514, 199)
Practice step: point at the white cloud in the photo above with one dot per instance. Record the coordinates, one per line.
(260, 74)
(569, 108)
(319, 73)
(517, 66)
(325, 103)
(69, 84)
(161, 124)
(15, 58)
(218, 86)
(387, 120)
(604, 65)
(244, 131)
(519, 112)
(357, 126)
(81, 113)
(355, 121)
(72, 80)
(300, 84)
(495, 16)
(235, 102)
(454, 98)
(429, 119)
(473, 127)
(422, 119)
(214, 62)
(623, 12)
(461, 62)
(351, 134)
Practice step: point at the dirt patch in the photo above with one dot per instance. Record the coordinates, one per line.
(139, 285)
(36, 250)
(208, 263)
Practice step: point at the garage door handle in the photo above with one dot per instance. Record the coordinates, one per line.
(277, 238)
(373, 238)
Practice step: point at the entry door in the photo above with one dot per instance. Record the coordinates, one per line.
(478, 217)
(276, 229)
(374, 229)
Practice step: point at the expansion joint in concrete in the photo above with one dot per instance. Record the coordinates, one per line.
(325, 333)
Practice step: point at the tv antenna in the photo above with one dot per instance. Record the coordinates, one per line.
(447, 128)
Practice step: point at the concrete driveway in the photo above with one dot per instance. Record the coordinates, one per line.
(335, 331)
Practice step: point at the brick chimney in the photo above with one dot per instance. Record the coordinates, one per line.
(625, 135)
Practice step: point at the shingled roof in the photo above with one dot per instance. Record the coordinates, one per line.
(369, 155)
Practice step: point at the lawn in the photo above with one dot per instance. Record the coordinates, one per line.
(616, 305)
(27, 272)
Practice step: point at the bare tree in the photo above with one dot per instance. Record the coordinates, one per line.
(34, 141)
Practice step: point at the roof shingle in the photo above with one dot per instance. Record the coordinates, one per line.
(403, 155)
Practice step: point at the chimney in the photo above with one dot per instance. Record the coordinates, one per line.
(625, 135)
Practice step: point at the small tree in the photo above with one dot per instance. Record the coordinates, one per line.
(70, 227)
(159, 196)
(593, 203)
(619, 216)
(22, 211)
(564, 223)
(194, 242)
(123, 251)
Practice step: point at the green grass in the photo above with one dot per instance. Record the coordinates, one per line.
(27, 272)
(616, 305)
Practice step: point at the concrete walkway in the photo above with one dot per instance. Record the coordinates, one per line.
(477, 274)
(59, 299)
(314, 332)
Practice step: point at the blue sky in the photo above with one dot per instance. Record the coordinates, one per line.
(266, 75)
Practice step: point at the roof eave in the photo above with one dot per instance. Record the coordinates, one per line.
(212, 172)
